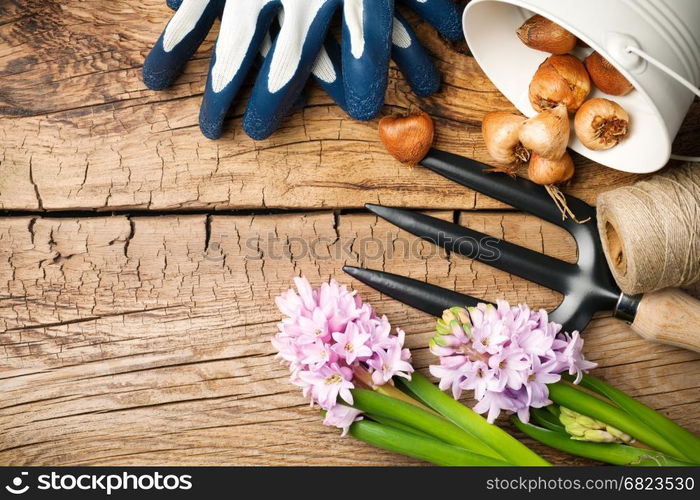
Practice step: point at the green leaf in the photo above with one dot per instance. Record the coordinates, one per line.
(554, 410)
(546, 419)
(682, 439)
(398, 425)
(374, 403)
(611, 453)
(406, 443)
(476, 425)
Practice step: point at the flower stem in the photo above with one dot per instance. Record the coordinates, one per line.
(611, 453)
(682, 439)
(388, 389)
(405, 443)
(581, 402)
(384, 406)
(495, 437)
(393, 392)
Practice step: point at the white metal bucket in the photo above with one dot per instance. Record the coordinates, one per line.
(668, 30)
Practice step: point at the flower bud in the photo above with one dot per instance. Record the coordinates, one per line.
(625, 438)
(584, 428)
(439, 340)
(572, 427)
(462, 315)
(589, 422)
(442, 328)
(597, 436)
(569, 413)
(448, 316)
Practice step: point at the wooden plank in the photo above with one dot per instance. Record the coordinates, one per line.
(145, 340)
(79, 130)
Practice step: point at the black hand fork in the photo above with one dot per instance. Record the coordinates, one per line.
(587, 286)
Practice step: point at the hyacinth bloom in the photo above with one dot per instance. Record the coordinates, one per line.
(507, 355)
(333, 342)
(516, 360)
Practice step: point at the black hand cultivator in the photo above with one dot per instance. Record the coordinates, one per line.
(587, 285)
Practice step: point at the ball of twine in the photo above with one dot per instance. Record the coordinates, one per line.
(651, 231)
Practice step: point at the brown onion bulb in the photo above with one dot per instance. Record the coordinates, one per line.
(601, 124)
(547, 133)
(605, 76)
(540, 33)
(547, 172)
(500, 131)
(407, 138)
(559, 79)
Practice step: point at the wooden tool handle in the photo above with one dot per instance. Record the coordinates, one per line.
(669, 316)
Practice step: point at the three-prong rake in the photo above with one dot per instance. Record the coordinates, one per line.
(587, 285)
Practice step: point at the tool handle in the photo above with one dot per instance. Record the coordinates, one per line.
(669, 316)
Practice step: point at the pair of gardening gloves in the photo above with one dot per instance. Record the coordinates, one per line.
(353, 72)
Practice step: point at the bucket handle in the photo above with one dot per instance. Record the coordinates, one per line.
(655, 62)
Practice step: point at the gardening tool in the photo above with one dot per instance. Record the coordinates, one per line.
(668, 316)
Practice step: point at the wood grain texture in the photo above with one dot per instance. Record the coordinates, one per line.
(670, 316)
(79, 130)
(145, 340)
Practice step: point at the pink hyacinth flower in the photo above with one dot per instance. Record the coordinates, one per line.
(572, 357)
(506, 355)
(328, 383)
(332, 342)
(351, 344)
(342, 416)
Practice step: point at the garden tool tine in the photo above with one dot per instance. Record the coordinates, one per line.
(530, 265)
(589, 280)
(434, 300)
(516, 192)
(424, 296)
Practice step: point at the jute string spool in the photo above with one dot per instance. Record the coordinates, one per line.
(651, 231)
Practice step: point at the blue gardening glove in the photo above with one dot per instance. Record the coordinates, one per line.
(406, 50)
(412, 59)
(363, 57)
(244, 25)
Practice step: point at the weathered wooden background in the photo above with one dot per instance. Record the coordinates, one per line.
(139, 261)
